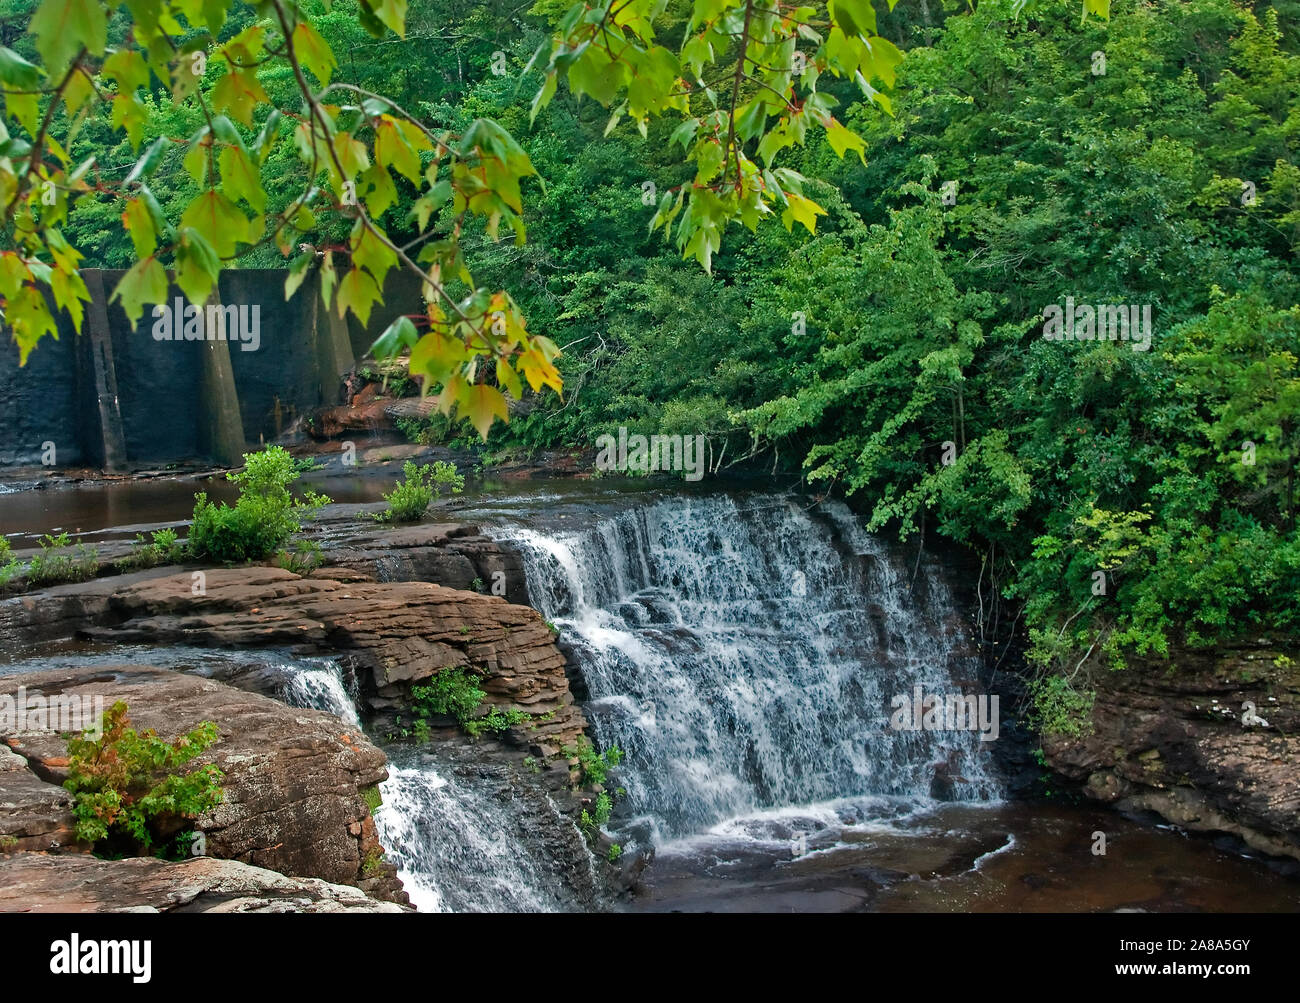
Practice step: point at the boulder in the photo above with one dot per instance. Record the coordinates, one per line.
(294, 786)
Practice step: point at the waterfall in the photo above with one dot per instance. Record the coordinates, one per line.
(463, 840)
(465, 846)
(319, 687)
(744, 653)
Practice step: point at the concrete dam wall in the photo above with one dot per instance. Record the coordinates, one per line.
(119, 395)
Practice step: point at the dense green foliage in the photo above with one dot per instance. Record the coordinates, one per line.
(410, 497)
(263, 518)
(129, 797)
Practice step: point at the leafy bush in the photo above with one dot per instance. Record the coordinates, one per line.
(410, 498)
(55, 564)
(9, 565)
(264, 517)
(165, 549)
(305, 557)
(595, 766)
(1058, 708)
(128, 798)
(456, 692)
(495, 721)
(451, 691)
(615, 851)
(599, 815)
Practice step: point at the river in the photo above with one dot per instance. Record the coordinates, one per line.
(745, 649)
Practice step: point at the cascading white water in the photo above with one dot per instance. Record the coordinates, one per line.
(459, 845)
(319, 687)
(744, 654)
(458, 849)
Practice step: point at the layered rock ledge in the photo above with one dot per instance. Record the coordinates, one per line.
(395, 633)
(1168, 737)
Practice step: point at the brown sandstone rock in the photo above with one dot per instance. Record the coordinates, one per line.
(39, 882)
(293, 785)
(398, 633)
(34, 815)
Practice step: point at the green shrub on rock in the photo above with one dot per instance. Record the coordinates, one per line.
(265, 516)
(410, 498)
(58, 563)
(128, 798)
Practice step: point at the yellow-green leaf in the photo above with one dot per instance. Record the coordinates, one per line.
(298, 270)
(358, 293)
(62, 27)
(69, 293)
(509, 379)
(218, 220)
(241, 177)
(370, 251)
(392, 150)
(140, 226)
(435, 356)
(28, 316)
(239, 93)
(482, 404)
(146, 282)
(127, 67)
(843, 139)
(802, 210)
(197, 266)
(392, 13)
(313, 52)
(538, 370)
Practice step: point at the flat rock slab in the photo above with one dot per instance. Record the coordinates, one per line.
(60, 883)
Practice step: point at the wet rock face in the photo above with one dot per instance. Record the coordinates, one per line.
(294, 786)
(39, 882)
(1168, 737)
